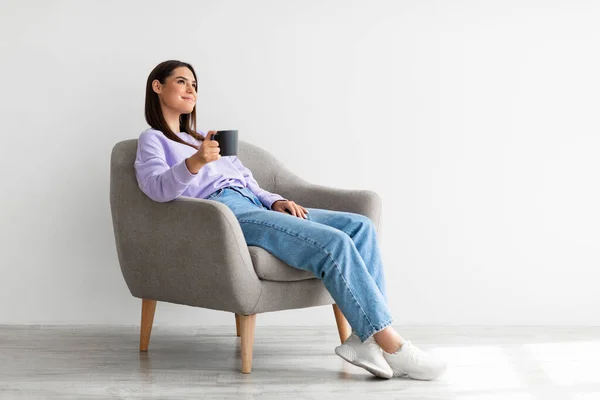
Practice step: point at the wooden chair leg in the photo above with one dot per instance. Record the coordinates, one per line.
(237, 325)
(148, 308)
(247, 326)
(343, 326)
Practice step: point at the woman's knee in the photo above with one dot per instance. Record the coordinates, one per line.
(362, 222)
(366, 221)
(338, 239)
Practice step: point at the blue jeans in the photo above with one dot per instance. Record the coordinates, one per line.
(340, 248)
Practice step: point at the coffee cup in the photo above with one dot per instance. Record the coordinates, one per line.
(228, 142)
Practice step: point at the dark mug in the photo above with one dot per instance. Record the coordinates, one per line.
(228, 142)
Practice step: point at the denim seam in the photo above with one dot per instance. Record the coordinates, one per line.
(322, 249)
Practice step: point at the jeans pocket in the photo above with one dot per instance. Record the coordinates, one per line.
(247, 193)
(214, 195)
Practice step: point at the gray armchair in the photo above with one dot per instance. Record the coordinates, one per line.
(192, 251)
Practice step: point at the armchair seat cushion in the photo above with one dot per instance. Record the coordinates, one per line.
(270, 268)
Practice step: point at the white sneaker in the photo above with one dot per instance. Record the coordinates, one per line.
(414, 362)
(367, 355)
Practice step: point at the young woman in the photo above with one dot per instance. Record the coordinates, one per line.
(340, 248)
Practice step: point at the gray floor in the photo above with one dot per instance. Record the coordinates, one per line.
(77, 362)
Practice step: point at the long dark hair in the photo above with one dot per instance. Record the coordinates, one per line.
(154, 115)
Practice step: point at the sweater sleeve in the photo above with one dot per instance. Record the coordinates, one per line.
(265, 197)
(155, 178)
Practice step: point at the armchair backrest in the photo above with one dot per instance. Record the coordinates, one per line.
(264, 165)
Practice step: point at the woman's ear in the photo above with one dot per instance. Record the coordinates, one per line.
(156, 86)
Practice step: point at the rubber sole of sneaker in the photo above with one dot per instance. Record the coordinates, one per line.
(399, 373)
(348, 354)
(427, 377)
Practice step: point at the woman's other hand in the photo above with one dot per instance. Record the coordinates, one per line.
(290, 207)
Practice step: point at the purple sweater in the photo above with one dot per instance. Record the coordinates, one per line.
(162, 174)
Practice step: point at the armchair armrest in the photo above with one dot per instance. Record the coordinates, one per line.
(292, 187)
(187, 251)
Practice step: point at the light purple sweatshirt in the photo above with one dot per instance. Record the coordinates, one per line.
(163, 176)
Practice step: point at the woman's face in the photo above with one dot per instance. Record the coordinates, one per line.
(178, 93)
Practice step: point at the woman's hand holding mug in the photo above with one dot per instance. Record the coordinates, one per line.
(207, 152)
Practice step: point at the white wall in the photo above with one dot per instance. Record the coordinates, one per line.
(477, 122)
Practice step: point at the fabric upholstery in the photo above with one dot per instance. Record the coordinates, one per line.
(192, 251)
(270, 268)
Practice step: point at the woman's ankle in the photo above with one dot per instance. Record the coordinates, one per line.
(391, 347)
(389, 340)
